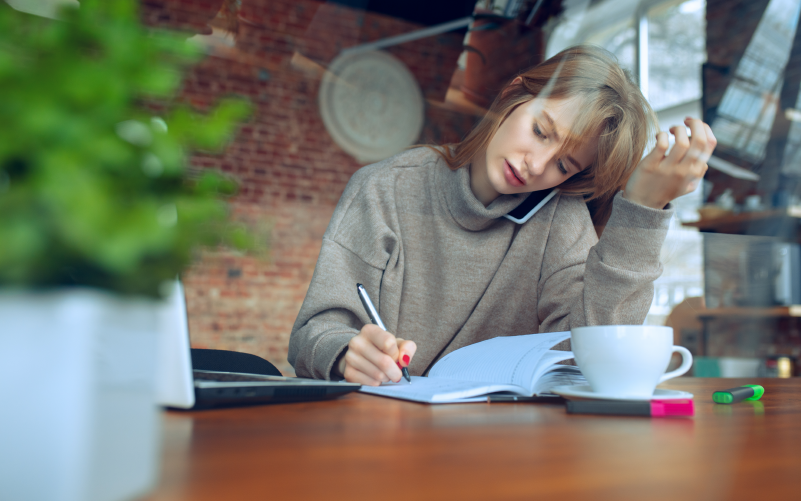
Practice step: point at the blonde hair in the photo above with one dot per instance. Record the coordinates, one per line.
(612, 109)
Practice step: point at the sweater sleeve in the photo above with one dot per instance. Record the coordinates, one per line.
(356, 248)
(331, 313)
(613, 284)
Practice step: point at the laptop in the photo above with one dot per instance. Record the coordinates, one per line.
(179, 386)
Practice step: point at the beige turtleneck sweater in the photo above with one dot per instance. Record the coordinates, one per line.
(446, 272)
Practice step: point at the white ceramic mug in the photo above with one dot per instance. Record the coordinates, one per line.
(627, 360)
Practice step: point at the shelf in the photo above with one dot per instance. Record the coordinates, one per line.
(737, 220)
(781, 222)
(767, 312)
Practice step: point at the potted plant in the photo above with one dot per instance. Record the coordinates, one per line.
(98, 212)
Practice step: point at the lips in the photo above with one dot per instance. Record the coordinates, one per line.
(511, 175)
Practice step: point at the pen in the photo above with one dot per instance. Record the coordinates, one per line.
(373, 314)
(653, 408)
(734, 395)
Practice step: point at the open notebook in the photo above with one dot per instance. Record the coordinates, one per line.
(519, 365)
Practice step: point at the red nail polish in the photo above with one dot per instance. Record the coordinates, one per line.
(399, 365)
(406, 359)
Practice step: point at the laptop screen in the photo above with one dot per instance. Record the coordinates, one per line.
(174, 383)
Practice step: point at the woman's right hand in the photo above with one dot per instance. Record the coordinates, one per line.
(375, 356)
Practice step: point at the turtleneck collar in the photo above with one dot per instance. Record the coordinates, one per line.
(466, 209)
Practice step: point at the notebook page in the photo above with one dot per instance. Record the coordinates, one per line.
(439, 390)
(502, 360)
(546, 364)
(560, 375)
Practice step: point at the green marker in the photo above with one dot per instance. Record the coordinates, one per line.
(734, 395)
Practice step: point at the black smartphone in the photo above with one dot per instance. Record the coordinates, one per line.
(535, 201)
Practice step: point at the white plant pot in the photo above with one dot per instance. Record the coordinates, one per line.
(78, 418)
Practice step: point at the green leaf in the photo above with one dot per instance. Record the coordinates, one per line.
(81, 202)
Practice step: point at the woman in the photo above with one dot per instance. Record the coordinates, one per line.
(424, 230)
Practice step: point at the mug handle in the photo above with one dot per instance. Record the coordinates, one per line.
(686, 363)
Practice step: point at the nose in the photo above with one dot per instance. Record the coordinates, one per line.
(536, 164)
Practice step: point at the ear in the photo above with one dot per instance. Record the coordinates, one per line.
(515, 83)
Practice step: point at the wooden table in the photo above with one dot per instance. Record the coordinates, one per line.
(363, 447)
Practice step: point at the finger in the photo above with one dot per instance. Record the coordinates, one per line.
(662, 142)
(367, 348)
(342, 364)
(356, 359)
(407, 350)
(353, 375)
(704, 168)
(711, 142)
(382, 340)
(682, 144)
(660, 148)
(698, 143)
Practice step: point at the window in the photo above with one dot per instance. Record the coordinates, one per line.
(746, 112)
(620, 39)
(676, 51)
(674, 37)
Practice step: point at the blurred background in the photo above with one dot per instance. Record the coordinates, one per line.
(732, 282)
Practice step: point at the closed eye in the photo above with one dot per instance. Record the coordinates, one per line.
(539, 134)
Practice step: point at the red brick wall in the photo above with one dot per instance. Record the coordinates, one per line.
(291, 172)
(501, 53)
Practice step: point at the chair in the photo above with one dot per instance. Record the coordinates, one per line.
(231, 361)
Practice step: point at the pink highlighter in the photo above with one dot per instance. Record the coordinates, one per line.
(652, 408)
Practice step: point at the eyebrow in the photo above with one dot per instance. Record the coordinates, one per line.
(552, 125)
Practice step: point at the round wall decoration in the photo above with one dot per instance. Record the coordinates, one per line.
(371, 105)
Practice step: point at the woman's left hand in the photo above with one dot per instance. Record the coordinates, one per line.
(660, 178)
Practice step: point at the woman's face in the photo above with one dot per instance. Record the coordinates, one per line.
(523, 155)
